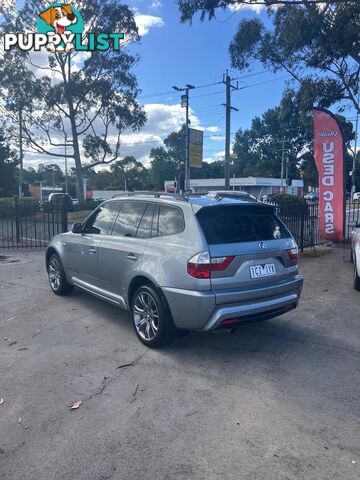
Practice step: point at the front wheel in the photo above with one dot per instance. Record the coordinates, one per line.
(151, 317)
(57, 278)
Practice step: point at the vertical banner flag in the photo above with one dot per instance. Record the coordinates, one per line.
(196, 147)
(329, 158)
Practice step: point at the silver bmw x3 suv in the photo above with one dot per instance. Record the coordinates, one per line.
(181, 263)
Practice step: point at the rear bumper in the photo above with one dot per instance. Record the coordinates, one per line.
(198, 310)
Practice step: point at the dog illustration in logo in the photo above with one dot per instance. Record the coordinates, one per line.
(59, 18)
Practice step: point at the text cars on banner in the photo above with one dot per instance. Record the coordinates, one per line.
(329, 158)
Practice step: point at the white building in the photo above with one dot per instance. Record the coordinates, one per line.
(257, 186)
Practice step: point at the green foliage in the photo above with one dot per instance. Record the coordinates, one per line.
(258, 150)
(129, 174)
(162, 167)
(286, 199)
(317, 44)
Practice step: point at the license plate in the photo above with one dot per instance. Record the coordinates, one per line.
(264, 270)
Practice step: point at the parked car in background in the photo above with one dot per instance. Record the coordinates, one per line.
(192, 263)
(355, 252)
(312, 197)
(59, 200)
(356, 197)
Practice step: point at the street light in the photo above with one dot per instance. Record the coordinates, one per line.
(185, 104)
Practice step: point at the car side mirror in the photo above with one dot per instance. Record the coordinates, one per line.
(77, 228)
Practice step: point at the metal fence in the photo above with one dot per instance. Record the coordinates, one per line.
(303, 223)
(24, 223)
(352, 217)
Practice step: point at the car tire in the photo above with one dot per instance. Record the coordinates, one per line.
(57, 278)
(151, 317)
(351, 256)
(356, 277)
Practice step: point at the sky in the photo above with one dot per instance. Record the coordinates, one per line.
(171, 53)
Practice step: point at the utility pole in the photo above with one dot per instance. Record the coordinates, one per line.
(282, 166)
(21, 151)
(185, 103)
(227, 81)
(66, 169)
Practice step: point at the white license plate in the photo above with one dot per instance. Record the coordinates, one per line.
(264, 270)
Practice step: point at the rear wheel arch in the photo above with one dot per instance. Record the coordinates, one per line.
(135, 284)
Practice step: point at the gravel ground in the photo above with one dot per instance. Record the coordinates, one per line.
(277, 400)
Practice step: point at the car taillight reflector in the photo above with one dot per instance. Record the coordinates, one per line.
(293, 254)
(202, 265)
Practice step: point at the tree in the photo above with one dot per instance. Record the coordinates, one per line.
(282, 131)
(176, 148)
(81, 98)
(8, 164)
(162, 167)
(317, 43)
(51, 174)
(129, 174)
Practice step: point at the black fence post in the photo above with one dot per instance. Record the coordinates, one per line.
(302, 222)
(64, 218)
(17, 219)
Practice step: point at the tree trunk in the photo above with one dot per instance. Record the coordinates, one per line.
(74, 132)
(77, 158)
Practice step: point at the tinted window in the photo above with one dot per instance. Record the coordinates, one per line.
(128, 220)
(234, 224)
(144, 230)
(102, 219)
(171, 221)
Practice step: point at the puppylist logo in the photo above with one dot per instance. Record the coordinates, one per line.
(60, 28)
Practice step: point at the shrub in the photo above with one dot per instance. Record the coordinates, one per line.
(289, 204)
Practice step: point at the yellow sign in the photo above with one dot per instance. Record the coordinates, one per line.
(195, 148)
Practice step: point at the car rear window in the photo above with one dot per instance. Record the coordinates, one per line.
(240, 223)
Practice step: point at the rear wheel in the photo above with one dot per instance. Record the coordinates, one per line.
(151, 317)
(57, 278)
(356, 276)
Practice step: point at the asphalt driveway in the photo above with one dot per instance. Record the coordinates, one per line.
(277, 400)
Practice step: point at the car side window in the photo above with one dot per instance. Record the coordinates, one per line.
(102, 220)
(145, 226)
(129, 218)
(171, 221)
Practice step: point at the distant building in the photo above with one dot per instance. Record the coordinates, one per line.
(42, 192)
(256, 186)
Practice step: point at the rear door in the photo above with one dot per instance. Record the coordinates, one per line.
(255, 245)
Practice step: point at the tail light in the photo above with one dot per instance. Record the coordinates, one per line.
(202, 265)
(293, 254)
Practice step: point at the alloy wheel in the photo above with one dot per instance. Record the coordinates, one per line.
(146, 316)
(54, 274)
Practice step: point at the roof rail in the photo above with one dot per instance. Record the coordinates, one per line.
(152, 194)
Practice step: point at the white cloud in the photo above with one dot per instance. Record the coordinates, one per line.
(213, 129)
(162, 119)
(217, 138)
(145, 22)
(156, 4)
(237, 6)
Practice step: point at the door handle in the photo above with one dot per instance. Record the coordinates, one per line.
(92, 250)
(132, 256)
